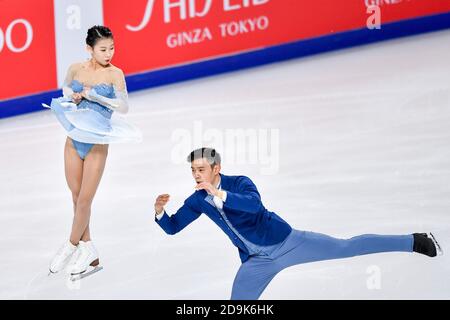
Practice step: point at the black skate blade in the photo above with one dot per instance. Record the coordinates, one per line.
(79, 276)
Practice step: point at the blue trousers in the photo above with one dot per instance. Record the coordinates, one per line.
(304, 246)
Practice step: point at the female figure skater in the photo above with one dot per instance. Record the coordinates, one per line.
(93, 91)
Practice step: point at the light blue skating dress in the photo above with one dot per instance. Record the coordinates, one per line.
(91, 122)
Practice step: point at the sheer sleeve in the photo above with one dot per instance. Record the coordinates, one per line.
(66, 89)
(120, 102)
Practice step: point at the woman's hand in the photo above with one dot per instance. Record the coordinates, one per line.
(76, 97)
(85, 92)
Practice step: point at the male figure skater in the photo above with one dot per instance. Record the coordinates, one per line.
(267, 244)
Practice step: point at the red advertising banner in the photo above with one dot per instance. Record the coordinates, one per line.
(27, 47)
(154, 34)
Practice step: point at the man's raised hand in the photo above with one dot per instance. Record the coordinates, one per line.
(160, 202)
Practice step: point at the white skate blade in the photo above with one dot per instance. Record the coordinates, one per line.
(87, 273)
(439, 250)
(45, 105)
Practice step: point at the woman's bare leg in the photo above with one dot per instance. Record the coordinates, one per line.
(93, 168)
(73, 167)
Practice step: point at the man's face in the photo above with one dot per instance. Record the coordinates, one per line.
(202, 171)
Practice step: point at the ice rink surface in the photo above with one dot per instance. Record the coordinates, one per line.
(359, 143)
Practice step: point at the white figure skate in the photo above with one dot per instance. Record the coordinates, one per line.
(62, 257)
(85, 262)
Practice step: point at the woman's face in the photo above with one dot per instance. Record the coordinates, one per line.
(103, 51)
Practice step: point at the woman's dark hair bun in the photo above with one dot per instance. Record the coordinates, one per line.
(96, 33)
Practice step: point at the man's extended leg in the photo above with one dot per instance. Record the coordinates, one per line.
(303, 246)
(306, 246)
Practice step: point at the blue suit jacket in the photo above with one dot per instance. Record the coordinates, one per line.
(243, 209)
